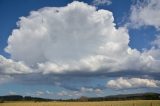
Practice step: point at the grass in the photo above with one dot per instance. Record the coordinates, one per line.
(105, 103)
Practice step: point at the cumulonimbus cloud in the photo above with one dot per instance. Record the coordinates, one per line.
(73, 38)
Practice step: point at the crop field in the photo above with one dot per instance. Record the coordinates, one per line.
(105, 103)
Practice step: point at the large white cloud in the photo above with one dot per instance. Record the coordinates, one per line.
(123, 83)
(76, 37)
(61, 34)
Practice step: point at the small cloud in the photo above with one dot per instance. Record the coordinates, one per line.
(12, 93)
(49, 92)
(70, 94)
(83, 89)
(102, 2)
(90, 90)
(39, 93)
(98, 91)
(63, 93)
(80, 92)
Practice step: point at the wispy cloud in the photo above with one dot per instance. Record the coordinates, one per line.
(145, 13)
(102, 2)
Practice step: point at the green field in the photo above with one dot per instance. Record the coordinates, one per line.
(105, 103)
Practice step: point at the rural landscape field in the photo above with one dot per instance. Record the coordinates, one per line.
(105, 103)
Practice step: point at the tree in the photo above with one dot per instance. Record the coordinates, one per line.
(83, 98)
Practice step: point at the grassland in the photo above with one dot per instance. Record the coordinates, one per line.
(105, 103)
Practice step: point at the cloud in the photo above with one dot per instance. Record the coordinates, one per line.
(90, 90)
(142, 13)
(75, 94)
(81, 92)
(39, 93)
(61, 44)
(98, 91)
(83, 89)
(145, 13)
(49, 92)
(53, 36)
(54, 39)
(5, 79)
(63, 93)
(8, 67)
(102, 2)
(75, 38)
(156, 42)
(154, 51)
(123, 83)
(12, 93)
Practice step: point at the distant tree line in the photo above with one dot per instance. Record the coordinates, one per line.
(21, 98)
(142, 96)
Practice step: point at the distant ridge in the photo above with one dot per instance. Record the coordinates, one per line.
(136, 96)
(21, 98)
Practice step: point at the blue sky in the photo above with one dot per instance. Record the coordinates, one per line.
(33, 66)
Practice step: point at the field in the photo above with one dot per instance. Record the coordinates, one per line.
(106, 103)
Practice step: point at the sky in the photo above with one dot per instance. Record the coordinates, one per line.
(63, 49)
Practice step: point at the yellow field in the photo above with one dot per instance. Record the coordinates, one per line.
(106, 103)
